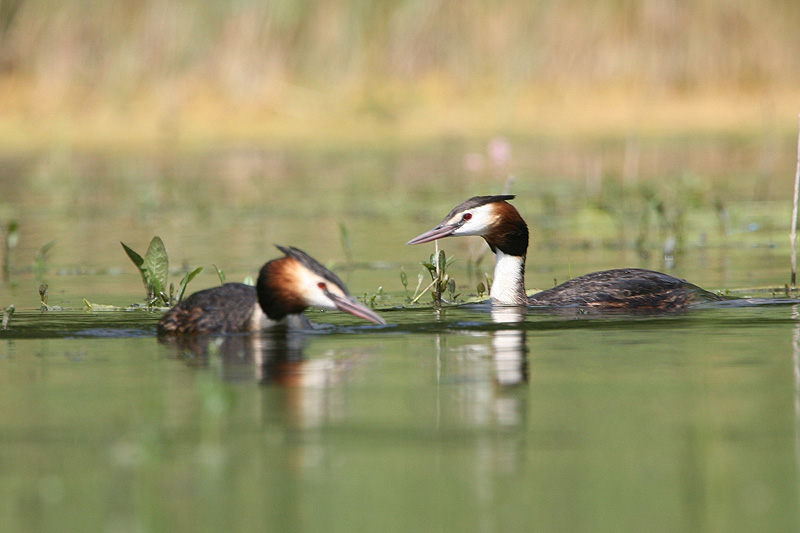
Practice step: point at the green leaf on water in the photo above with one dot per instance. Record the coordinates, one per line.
(185, 281)
(156, 261)
(138, 261)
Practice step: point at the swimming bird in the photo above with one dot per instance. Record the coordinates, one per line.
(506, 232)
(286, 287)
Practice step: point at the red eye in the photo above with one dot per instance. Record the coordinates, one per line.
(467, 216)
(322, 286)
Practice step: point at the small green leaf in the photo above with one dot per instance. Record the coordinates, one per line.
(138, 261)
(136, 258)
(156, 261)
(220, 274)
(185, 281)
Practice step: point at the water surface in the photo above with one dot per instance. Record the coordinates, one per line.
(454, 419)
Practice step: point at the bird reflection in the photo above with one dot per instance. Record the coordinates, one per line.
(484, 379)
(274, 356)
(509, 346)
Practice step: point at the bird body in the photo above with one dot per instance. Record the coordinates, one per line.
(506, 233)
(286, 287)
(226, 309)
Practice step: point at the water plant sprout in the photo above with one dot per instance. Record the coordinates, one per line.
(154, 269)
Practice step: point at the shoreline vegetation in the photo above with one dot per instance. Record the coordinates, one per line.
(132, 75)
(201, 122)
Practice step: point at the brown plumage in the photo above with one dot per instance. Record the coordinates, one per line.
(225, 309)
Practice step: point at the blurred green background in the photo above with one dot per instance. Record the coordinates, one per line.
(133, 73)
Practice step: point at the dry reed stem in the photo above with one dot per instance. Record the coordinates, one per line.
(793, 232)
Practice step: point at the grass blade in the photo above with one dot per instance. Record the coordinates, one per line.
(185, 281)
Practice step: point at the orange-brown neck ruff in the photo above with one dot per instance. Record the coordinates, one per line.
(510, 232)
(276, 287)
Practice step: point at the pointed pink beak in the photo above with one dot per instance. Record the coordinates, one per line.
(348, 305)
(444, 230)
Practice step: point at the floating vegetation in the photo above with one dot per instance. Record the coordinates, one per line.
(441, 281)
(481, 288)
(7, 313)
(154, 268)
(43, 288)
(370, 300)
(404, 281)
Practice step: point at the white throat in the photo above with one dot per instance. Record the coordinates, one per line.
(508, 286)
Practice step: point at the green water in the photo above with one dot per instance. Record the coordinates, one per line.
(459, 420)
(451, 423)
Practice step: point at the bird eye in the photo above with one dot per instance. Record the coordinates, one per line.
(322, 286)
(466, 216)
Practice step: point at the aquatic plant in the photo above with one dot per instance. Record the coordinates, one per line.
(154, 269)
(43, 293)
(347, 246)
(7, 313)
(370, 300)
(441, 281)
(220, 274)
(793, 232)
(40, 260)
(404, 281)
(10, 240)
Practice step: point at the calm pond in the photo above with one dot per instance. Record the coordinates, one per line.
(464, 418)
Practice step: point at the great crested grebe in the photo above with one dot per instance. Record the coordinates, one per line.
(501, 225)
(286, 287)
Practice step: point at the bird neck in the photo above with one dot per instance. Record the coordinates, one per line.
(508, 285)
(508, 239)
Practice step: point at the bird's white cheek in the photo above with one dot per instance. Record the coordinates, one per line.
(481, 220)
(316, 298)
